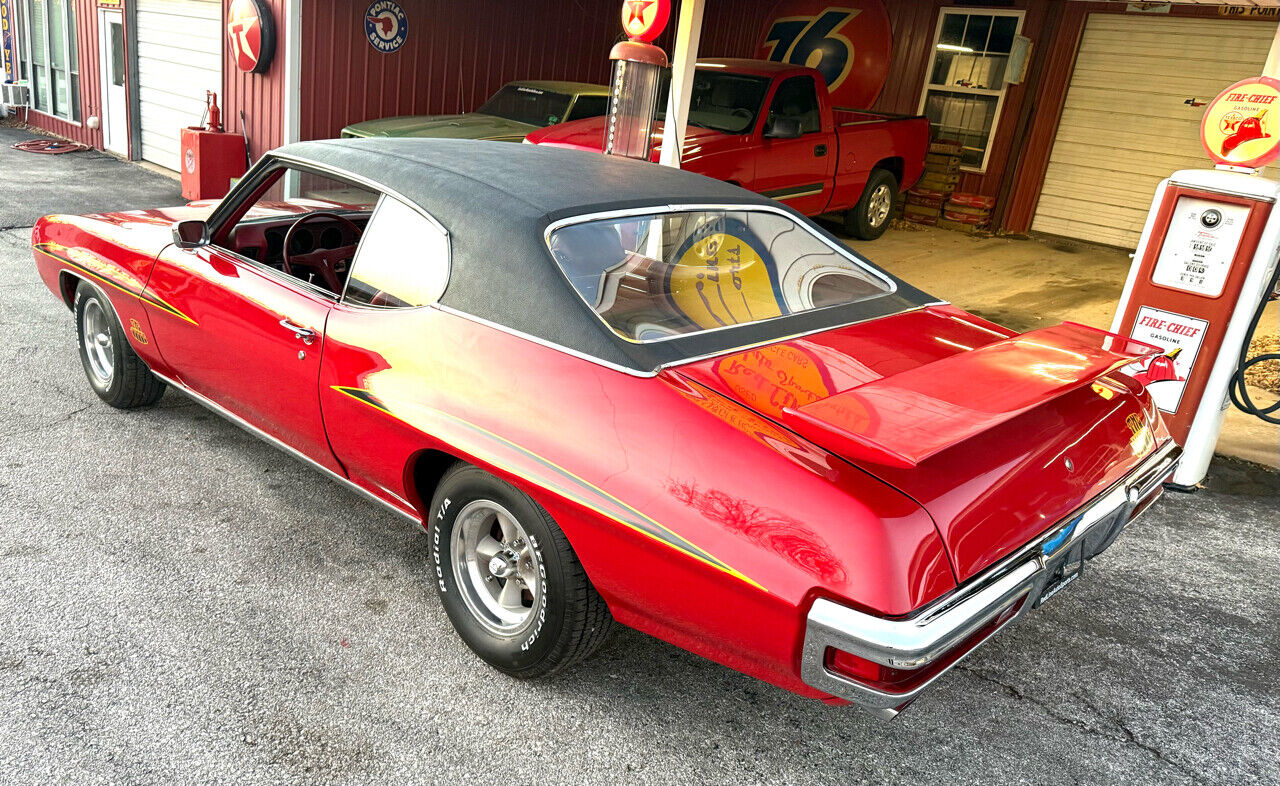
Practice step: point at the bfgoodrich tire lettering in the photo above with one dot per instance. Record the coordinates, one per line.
(115, 371)
(508, 578)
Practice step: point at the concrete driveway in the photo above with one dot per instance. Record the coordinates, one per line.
(180, 603)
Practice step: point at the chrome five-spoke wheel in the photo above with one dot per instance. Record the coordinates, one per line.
(97, 342)
(500, 577)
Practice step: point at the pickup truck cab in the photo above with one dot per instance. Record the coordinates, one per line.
(771, 128)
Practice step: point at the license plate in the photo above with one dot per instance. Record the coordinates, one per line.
(1063, 569)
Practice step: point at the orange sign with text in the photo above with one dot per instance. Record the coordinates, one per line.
(1240, 125)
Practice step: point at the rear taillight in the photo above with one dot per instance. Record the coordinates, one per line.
(889, 679)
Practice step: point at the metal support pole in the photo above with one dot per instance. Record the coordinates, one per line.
(688, 31)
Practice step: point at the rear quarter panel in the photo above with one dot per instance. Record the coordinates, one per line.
(867, 140)
(697, 521)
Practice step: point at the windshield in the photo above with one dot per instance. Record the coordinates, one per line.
(719, 101)
(524, 104)
(659, 275)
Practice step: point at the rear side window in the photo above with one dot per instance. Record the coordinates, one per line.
(797, 99)
(588, 106)
(655, 276)
(402, 262)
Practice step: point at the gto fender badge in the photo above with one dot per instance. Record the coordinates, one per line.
(135, 330)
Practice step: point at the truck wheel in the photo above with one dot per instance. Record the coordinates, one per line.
(868, 219)
(508, 578)
(115, 371)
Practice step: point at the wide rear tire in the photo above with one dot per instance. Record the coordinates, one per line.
(508, 578)
(115, 371)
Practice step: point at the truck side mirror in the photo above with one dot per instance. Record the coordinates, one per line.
(782, 128)
(189, 234)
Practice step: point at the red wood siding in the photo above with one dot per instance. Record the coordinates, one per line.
(261, 96)
(457, 53)
(86, 22)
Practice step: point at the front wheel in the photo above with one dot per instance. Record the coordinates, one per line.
(115, 371)
(868, 219)
(508, 578)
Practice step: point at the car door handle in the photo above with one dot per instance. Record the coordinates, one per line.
(306, 334)
(819, 151)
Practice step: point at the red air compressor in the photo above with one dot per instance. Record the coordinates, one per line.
(211, 158)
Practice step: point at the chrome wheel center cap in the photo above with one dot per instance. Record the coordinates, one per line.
(501, 567)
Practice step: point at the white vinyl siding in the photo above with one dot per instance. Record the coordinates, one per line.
(179, 58)
(1126, 124)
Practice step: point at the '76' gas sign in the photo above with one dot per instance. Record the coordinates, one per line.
(849, 44)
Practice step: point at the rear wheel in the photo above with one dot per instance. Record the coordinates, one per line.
(868, 219)
(115, 371)
(508, 578)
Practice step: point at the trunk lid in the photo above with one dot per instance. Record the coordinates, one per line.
(997, 436)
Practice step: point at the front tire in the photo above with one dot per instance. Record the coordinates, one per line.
(868, 219)
(115, 371)
(508, 578)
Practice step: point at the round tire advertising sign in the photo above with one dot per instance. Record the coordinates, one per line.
(386, 25)
(849, 43)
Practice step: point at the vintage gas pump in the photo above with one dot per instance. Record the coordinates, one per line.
(637, 72)
(1204, 271)
(212, 158)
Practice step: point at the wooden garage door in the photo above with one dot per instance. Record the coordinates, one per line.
(179, 58)
(1125, 126)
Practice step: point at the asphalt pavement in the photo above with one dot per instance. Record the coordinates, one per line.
(180, 603)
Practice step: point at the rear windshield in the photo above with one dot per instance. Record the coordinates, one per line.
(525, 104)
(660, 275)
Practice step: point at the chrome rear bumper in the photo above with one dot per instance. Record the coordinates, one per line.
(935, 631)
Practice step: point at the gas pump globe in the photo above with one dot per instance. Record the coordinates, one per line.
(637, 72)
(633, 99)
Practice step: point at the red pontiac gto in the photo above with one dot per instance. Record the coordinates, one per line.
(616, 391)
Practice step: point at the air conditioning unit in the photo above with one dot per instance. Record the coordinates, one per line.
(15, 94)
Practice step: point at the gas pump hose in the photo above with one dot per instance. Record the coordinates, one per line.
(1239, 389)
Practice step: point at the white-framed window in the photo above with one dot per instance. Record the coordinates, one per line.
(965, 85)
(49, 58)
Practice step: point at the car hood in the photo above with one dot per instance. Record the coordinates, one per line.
(588, 134)
(468, 126)
(909, 399)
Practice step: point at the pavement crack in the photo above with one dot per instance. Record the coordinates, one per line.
(1125, 735)
(36, 427)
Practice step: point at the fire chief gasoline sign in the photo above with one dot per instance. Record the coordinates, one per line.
(1240, 126)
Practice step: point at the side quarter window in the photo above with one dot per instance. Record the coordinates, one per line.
(403, 260)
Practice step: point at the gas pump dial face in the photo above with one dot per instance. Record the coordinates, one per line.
(1202, 241)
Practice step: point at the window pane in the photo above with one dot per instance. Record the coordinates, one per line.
(38, 56)
(75, 97)
(964, 117)
(117, 54)
(975, 37)
(952, 28)
(1002, 32)
(57, 32)
(58, 86)
(403, 260)
(655, 276)
(38, 88)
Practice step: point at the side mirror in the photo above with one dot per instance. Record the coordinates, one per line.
(783, 128)
(190, 234)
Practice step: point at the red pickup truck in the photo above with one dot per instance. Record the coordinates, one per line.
(770, 127)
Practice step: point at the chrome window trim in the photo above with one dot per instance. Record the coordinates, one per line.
(543, 342)
(269, 162)
(656, 210)
(934, 631)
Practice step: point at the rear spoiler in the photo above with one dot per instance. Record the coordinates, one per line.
(904, 419)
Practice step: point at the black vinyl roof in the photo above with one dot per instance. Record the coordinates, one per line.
(496, 200)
